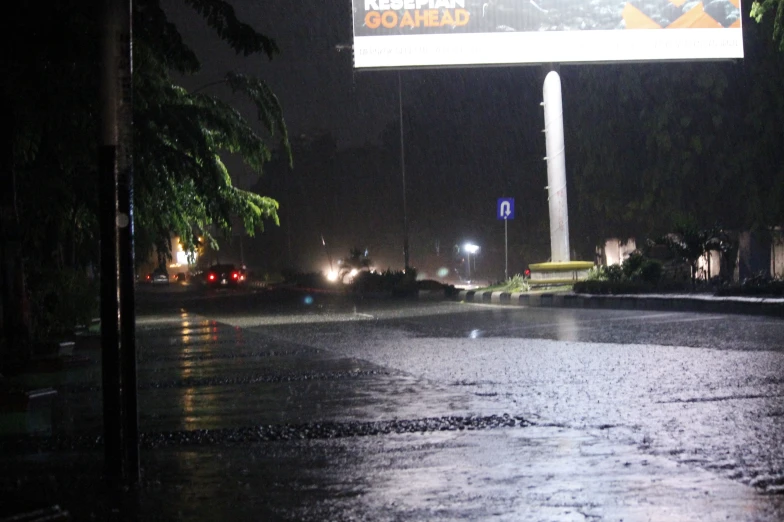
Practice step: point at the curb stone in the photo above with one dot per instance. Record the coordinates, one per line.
(773, 307)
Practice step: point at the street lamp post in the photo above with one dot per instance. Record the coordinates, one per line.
(470, 248)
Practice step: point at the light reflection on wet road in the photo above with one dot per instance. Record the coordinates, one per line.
(256, 407)
(701, 389)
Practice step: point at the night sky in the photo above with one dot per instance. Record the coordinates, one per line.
(471, 136)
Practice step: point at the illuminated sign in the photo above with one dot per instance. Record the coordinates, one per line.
(435, 33)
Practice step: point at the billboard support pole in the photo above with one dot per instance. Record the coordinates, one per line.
(556, 168)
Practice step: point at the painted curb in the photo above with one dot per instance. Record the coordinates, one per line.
(715, 305)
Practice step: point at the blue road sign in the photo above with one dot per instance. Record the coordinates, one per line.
(505, 208)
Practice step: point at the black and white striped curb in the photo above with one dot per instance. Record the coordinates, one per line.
(655, 302)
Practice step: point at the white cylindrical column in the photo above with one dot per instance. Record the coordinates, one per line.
(556, 168)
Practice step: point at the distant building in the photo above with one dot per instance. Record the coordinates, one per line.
(759, 254)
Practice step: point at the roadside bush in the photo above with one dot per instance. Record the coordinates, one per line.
(398, 284)
(637, 267)
(61, 300)
(612, 287)
(632, 265)
(754, 287)
(635, 275)
(431, 285)
(597, 273)
(613, 273)
(307, 280)
(517, 283)
(651, 272)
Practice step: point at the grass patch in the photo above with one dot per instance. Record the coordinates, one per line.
(516, 283)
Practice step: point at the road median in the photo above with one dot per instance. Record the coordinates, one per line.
(773, 307)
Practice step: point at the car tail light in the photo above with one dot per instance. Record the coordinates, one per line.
(235, 275)
(211, 277)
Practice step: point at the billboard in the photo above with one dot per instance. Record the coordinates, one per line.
(438, 33)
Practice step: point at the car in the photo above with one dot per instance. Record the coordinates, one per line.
(159, 276)
(224, 275)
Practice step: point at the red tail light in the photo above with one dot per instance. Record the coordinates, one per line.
(235, 275)
(211, 277)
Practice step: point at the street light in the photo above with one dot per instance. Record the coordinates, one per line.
(470, 248)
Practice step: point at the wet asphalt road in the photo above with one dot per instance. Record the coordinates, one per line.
(265, 406)
(698, 390)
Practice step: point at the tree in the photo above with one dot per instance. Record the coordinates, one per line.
(49, 173)
(183, 186)
(774, 22)
(646, 142)
(356, 261)
(689, 243)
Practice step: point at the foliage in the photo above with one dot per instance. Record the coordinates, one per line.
(180, 139)
(435, 286)
(394, 283)
(758, 11)
(183, 186)
(759, 285)
(637, 274)
(690, 243)
(614, 273)
(356, 260)
(612, 287)
(637, 267)
(517, 283)
(711, 140)
(597, 273)
(306, 279)
(60, 301)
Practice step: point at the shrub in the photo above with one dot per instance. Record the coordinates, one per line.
(614, 273)
(60, 300)
(399, 284)
(612, 287)
(651, 272)
(597, 273)
(517, 283)
(636, 274)
(755, 286)
(307, 280)
(632, 266)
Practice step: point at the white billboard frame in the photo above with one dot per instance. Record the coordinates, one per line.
(443, 47)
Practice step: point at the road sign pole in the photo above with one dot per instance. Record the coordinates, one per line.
(506, 251)
(505, 210)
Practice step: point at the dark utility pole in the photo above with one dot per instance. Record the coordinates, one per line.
(125, 247)
(118, 318)
(403, 171)
(110, 326)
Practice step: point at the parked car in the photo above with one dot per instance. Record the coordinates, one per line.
(224, 275)
(159, 276)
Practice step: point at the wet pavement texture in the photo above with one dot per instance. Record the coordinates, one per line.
(256, 406)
